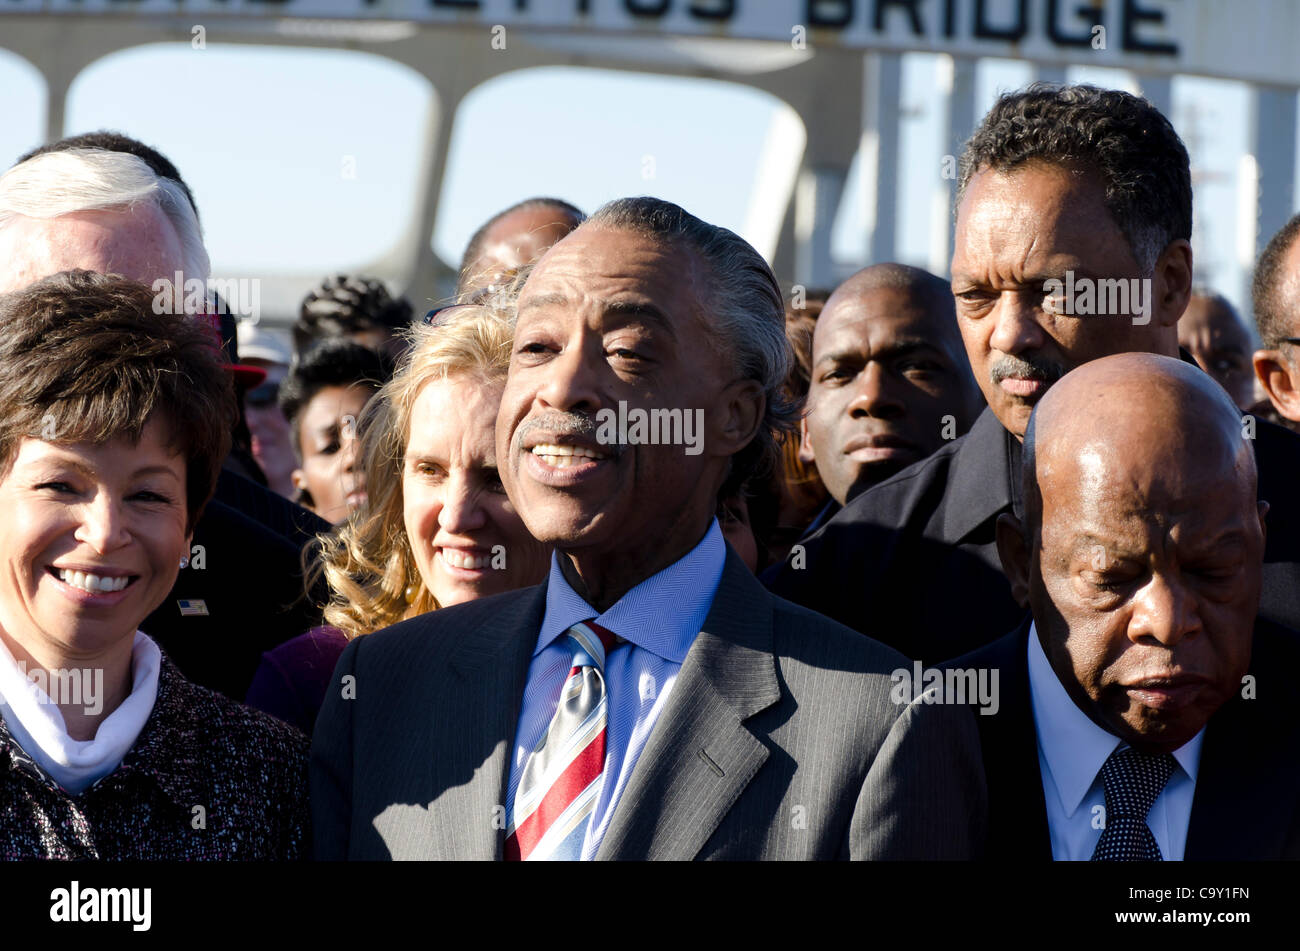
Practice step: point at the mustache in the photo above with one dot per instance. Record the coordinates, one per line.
(580, 425)
(1032, 366)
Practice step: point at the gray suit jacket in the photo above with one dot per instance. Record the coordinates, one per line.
(779, 740)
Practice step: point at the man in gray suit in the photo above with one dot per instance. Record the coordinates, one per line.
(651, 700)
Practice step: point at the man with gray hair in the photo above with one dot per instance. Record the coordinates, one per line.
(98, 210)
(650, 700)
(1072, 243)
(107, 203)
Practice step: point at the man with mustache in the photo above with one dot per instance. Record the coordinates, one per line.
(1062, 188)
(1136, 720)
(650, 700)
(890, 382)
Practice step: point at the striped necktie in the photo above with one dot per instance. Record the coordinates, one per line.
(562, 778)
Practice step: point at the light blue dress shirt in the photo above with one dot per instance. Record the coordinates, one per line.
(1071, 751)
(660, 618)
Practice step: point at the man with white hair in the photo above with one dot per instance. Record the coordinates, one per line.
(107, 203)
(98, 210)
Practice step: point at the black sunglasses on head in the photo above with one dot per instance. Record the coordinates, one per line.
(441, 315)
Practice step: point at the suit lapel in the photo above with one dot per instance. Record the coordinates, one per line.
(1248, 781)
(700, 755)
(1017, 808)
(482, 694)
(979, 486)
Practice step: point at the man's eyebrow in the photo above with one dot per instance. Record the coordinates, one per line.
(642, 310)
(1229, 536)
(962, 280)
(894, 349)
(543, 300)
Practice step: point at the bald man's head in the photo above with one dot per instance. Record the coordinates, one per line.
(1141, 550)
(513, 239)
(890, 382)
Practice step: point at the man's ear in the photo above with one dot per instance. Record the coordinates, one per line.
(301, 495)
(743, 406)
(805, 443)
(1014, 552)
(1174, 282)
(1273, 371)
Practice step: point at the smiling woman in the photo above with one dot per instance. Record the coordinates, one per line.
(114, 421)
(437, 528)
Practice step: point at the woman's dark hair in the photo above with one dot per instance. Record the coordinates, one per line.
(332, 363)
(343, 306)
(86, 357)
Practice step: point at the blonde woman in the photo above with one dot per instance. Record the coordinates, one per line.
(438, 528)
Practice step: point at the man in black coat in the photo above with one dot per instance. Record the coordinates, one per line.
(1143, 711)
(1072, 243)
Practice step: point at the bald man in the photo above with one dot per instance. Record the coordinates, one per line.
(1145, 712)
(890, 382)
(1219, 342)
(513, 239)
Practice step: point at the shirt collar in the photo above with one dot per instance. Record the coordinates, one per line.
(174, 727)
(663, 614)
(1074, 747)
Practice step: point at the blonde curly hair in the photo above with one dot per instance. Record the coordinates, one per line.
(368, 562)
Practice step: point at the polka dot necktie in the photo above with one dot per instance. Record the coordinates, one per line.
(1133, 781)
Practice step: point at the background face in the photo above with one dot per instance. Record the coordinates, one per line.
(467, 538)
(1015, 231)
(115, 510)
(1148, 587)
(1221, 347)
(331, 466)
(607, 317)
(883, 378)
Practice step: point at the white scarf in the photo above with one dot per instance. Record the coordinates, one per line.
(37, 725)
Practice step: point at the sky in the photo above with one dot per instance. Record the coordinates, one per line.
(309, 161)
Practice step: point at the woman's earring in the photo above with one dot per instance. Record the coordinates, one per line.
(185, 561)
(409, 594)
